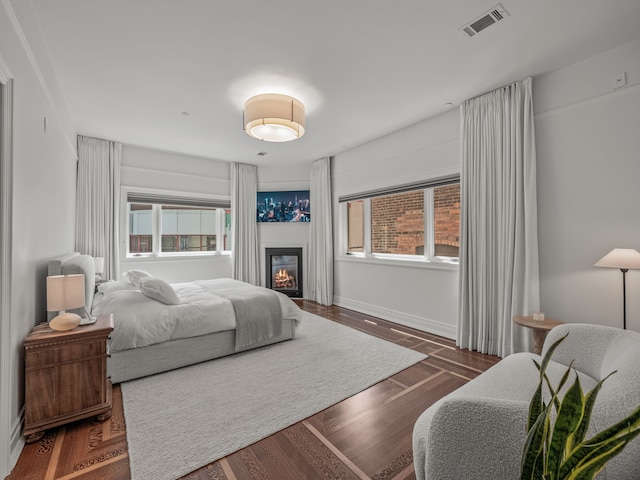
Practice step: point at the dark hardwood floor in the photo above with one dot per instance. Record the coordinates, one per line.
(367, 436)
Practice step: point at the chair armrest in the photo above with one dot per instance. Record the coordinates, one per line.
(585, 346)
(471, 438)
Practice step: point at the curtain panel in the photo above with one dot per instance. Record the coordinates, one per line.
(498, 228)
(245, 263)
(98, 201)
(321, 235)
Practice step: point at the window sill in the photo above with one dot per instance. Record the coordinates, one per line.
(176, 256)
(434, 264)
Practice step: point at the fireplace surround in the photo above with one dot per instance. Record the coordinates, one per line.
(284, 270)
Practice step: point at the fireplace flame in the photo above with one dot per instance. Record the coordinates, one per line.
(283, 279)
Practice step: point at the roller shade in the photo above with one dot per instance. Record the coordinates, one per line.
(407, 187)
(161, 199)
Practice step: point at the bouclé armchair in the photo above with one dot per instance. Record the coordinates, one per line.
(478, 431)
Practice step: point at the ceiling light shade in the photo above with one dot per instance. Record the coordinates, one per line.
(274, 118)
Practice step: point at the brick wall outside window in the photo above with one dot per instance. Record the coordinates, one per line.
(446, 202)
(397, 223)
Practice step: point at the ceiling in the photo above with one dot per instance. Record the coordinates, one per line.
(174, 74)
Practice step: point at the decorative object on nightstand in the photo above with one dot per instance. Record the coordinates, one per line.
(624, 259)
(539, 328)
(66, 376)
(65, 292)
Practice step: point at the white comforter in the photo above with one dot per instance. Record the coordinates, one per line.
(141, 321)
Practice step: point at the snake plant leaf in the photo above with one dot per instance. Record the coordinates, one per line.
(622, 432)
(567, 422)
(535, 406)
(533, 457)
(589, 402)
(596, 459)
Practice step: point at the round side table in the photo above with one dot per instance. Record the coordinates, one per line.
(539, 329)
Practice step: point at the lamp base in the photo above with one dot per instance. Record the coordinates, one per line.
(88, 320)
(65, 321)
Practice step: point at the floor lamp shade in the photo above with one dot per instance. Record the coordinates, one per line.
(624, 259)
(65, 292)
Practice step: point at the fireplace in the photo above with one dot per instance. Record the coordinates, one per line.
(284, 270)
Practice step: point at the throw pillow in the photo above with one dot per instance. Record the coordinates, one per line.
(159, 290)
(134, 276)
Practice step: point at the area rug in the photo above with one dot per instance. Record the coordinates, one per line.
(181, 420)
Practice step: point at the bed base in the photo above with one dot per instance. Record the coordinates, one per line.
(141, 362)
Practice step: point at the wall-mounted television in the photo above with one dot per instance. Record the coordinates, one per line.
(288, 206)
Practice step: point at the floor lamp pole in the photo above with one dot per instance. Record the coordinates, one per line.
(624, 297)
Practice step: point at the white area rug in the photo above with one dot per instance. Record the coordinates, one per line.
(182, 420)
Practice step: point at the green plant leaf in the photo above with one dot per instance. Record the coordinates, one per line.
(535, 406)
(533, 457)
(596, 458)
(567, 421)
(623, 431)
(589, 402)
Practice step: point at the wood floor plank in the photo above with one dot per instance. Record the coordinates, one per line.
(365, 436)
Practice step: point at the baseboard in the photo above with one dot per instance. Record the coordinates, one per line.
(17, 440)
(413, 321)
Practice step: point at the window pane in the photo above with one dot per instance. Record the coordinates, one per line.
(446, 204)
(397, 223)
(186, 229)
(140, 228)
(355, 219)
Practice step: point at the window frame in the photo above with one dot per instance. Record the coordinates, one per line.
(428, 258)
(158, 199)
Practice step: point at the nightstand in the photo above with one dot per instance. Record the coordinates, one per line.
(66, 376)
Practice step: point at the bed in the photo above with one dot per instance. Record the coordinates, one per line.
(161, 326)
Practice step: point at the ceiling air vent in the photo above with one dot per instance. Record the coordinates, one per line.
(485, 20)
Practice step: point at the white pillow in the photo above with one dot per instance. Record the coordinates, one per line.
(134, 276)
(114, 286)
(159, 290)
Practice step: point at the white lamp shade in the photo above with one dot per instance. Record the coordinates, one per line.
(65, 292)
(620, 258)
(274, 118)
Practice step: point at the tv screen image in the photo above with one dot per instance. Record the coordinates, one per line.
(286, 206)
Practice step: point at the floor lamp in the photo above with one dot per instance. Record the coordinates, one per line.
(624, 259)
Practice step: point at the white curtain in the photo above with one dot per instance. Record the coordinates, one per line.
(98, 201)
(245, 264)
(321, 235)
(498, 227)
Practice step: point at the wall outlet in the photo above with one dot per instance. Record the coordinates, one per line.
(620, 80)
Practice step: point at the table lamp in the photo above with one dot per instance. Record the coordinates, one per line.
(65, 292)
(624, 259)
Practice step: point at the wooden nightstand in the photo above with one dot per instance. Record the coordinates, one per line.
(66, 376)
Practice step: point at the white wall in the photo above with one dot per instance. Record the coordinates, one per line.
(587, 139)
(180, 174)
(424, 296)
(274, 235)
(588, 152)
(44, 174)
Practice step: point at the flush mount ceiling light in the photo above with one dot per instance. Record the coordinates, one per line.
(274, 118)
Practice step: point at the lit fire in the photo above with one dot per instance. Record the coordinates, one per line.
(282, 279)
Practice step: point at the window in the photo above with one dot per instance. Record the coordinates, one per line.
(411, 221)
(166, 225)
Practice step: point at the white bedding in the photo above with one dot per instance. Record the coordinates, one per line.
(141, 321)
